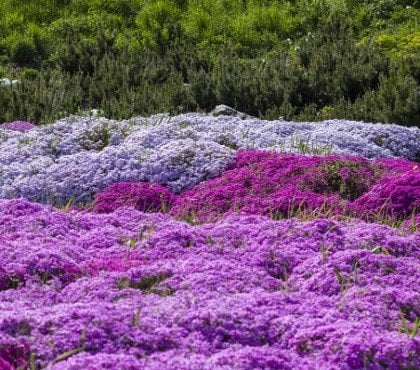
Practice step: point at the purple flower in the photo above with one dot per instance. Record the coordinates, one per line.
(21, 126)
(129, 289)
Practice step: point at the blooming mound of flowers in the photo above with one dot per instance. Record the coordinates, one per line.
(134, 290)
(395, 196)
(283, 185)
(141, 196)
(76, 157)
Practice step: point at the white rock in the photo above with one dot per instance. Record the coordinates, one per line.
(6, 82)
(93, 113)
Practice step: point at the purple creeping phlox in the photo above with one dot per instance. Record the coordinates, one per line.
(130, 290)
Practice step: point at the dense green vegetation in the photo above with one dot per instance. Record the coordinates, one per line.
(308, 59)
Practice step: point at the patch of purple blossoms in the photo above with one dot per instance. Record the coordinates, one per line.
(135, 290)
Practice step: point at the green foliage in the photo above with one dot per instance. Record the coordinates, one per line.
(22, 49)
(158, 23)
(309, 59)
(262, 27)
(45, 97)
(343, 178)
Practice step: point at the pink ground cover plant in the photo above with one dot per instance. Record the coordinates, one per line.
(395, 196)
(21, 126)
(129, 290)
(144, 197)
(14, 354)
(284, 185)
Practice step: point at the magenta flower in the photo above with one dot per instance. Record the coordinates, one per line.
(17, 126)
(14, 355)
(142, 196)
(282, 185)
(395, 197)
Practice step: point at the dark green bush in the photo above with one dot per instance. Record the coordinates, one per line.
(22, 50)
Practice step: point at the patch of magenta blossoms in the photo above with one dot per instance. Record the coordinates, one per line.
(144, 197)
(136, 290)
(14, 354)
(395, 196)
(280, 185)
(20, 126)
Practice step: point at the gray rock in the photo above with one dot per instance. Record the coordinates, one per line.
(93, 113)
(224, 110)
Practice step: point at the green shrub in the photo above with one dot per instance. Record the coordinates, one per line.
(28, 73)
(22, 50)
(158, 23)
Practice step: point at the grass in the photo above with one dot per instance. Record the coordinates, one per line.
(81, 348)
(405, 328)
(147, 284)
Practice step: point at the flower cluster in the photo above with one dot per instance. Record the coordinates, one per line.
(76, 157)
(141, 290)
(20, 126)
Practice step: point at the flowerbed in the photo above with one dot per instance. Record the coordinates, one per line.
(143, 290)
(76, 157)
(202, 251)
(277, 185)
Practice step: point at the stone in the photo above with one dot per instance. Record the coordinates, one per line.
(6, 82)
(224, 110)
